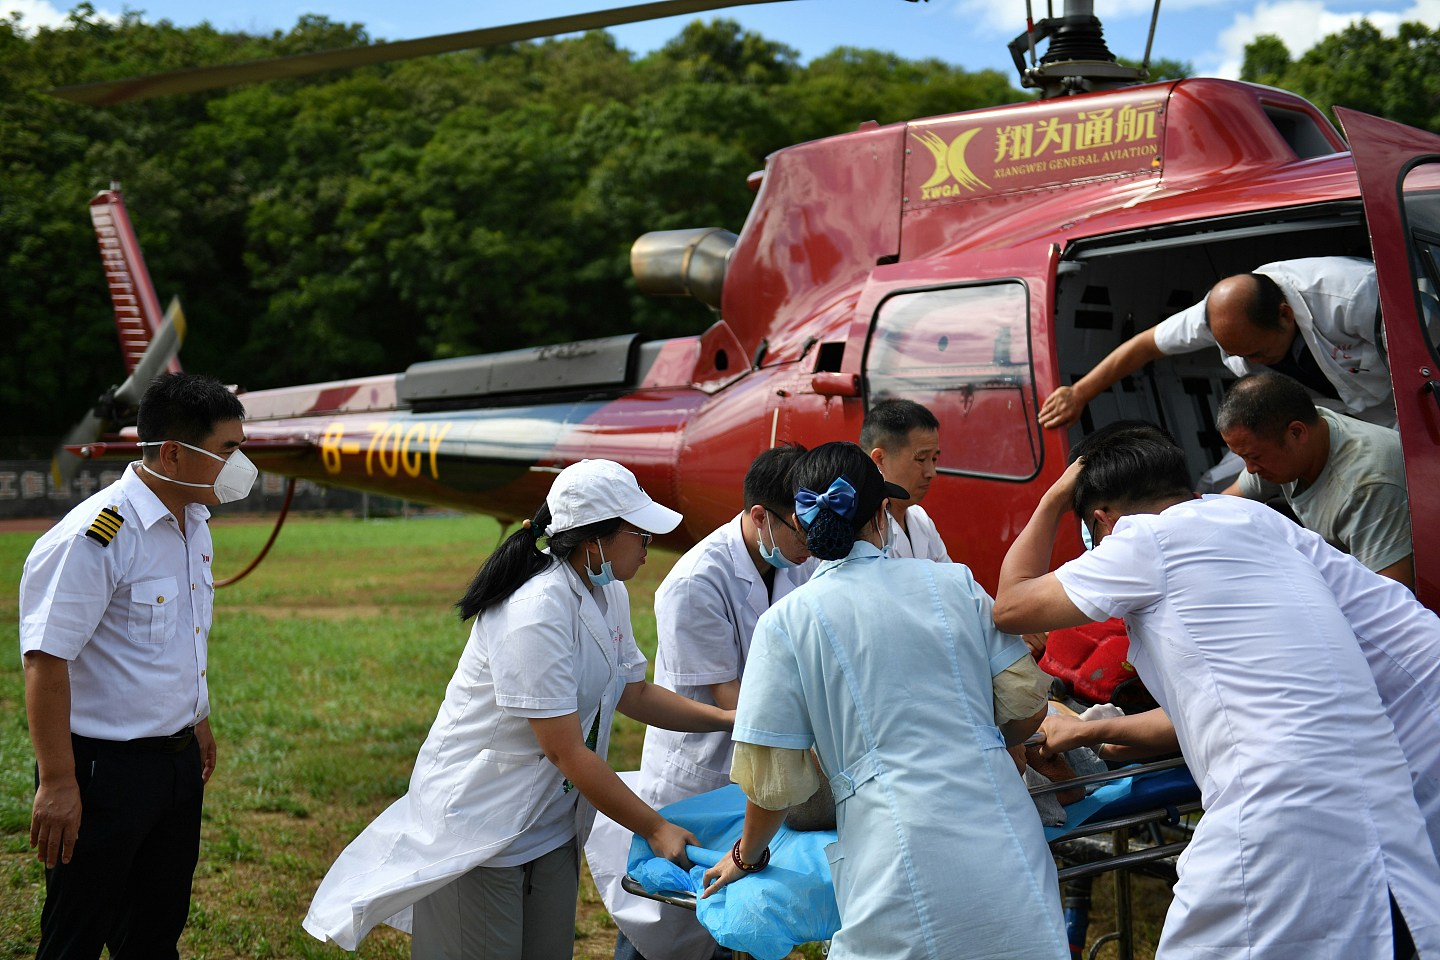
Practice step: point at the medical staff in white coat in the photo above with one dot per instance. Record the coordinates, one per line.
(1398, 635)
(894, 672)
(480, 858)
(903, 438)
(1316, 320)
(1312, 843)
(705, 613)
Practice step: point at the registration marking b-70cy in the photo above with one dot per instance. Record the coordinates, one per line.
(392, 448)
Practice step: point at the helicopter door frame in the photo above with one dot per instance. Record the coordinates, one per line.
(1398, 168)
(985, 380)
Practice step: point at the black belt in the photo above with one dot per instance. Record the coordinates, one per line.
(174, 743)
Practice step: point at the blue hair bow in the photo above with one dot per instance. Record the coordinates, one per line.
(840, 498)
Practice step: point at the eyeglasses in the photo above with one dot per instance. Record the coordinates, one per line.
(782, 520)
(645, 538)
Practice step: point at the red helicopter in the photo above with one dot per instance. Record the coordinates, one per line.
(972, 262)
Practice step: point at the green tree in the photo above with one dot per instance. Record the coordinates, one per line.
(1267, 60)
(1164, 68)
(1394, 77)
(721, 51)
(353, 223)
(850, 85)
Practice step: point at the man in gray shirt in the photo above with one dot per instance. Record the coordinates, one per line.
(1343, 478)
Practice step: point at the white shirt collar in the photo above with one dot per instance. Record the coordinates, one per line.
(148, 508)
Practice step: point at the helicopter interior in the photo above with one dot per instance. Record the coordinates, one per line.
(1112, 287)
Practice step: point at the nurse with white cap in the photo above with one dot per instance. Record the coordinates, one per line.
(479, 858)
(705, 612)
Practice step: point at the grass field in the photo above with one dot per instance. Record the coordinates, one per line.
(326, 668)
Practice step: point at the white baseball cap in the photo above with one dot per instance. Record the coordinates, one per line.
(594, 490)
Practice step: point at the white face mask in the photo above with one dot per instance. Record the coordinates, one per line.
(232, 483)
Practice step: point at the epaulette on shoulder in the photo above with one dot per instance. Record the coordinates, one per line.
(104, 527)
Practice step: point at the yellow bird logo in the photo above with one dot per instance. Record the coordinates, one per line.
(949, 162)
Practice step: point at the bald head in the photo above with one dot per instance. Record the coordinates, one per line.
(1250, 319)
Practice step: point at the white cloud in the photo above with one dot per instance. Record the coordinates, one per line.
(1008, 18)
(35, 14)
(1301, 24)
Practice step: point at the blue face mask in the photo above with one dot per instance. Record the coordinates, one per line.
(1085, 537)
(605, 575)
(772, 556)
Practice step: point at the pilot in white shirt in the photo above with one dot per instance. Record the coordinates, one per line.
(115, 607)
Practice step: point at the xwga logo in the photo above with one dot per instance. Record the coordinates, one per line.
(949, 165)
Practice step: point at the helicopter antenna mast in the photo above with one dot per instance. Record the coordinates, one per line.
(1077, 61)
(1150, 40)
(1030, 31)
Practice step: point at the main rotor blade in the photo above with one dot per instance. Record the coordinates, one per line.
(197, 79)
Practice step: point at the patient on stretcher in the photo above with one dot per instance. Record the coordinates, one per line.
(817, 813)
(1056, 769)
(1039, 770)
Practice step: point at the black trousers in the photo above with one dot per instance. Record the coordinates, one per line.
(127, 887)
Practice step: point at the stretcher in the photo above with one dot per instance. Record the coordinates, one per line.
(1136, 819)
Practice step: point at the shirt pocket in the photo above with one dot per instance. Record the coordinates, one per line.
(205, 602)
(493, 798)
(153, 605)
(693, 777)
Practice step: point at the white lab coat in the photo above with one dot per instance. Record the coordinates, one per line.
(1309, 811)
(1334, 300)
(481, 783)
(705, 613)
(923, 540)
(1400, 638)
(886, 667)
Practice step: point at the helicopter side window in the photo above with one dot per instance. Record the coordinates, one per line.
(963, 352)
(1422, 215)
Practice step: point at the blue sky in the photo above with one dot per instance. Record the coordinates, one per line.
(1211, 34)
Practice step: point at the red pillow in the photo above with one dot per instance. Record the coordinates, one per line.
(1090, 657)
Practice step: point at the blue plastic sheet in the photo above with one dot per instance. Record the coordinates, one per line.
(766, 914)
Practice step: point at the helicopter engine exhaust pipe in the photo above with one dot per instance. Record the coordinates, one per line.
(683, 263)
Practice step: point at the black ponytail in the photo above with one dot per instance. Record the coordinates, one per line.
(519, 558)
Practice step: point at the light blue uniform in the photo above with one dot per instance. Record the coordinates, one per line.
(886, 668)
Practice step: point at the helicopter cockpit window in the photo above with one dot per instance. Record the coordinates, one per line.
(963, 352)
(1422, 215)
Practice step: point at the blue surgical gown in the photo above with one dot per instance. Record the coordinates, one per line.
(885, 667)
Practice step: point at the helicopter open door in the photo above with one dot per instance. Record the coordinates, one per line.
(1399, 172)
(969, 346)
